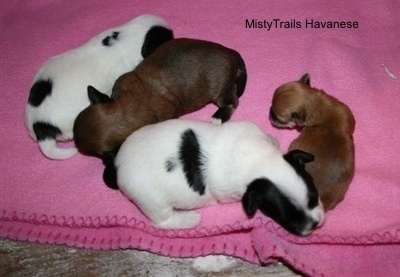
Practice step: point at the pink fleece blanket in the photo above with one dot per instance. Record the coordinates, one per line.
(65, 202)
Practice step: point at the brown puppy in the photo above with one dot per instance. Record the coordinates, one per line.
(327, 127)
(181, 76)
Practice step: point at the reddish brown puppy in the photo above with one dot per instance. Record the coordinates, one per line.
(327, 127)
(181, 76)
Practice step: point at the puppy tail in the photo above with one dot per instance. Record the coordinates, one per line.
(242, 76)
(110, 171)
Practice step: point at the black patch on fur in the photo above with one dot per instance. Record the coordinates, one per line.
(106, 41)
(170, 165)
(297, 159)
(96, 96)
(156, 36)
(110, 171)
(262, 194)
(45, 131)
(191, 158)
(115, 35)
(111, 39)
(39, 91)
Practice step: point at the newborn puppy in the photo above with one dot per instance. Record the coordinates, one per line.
(181, 76)
(327, 127)
(178, 165)
(59, 90)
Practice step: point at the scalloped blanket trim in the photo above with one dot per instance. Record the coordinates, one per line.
(237, 244)
(384, 237)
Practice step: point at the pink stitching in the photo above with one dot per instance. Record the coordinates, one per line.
(293, 261)
(202, 231)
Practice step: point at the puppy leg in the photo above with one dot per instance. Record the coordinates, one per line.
(181, 220)
(110, 171)
(165, 217)
(223, 114)
(241, 79)
(227, 103)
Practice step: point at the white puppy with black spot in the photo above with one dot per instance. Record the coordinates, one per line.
(169, 168)
(59, 90)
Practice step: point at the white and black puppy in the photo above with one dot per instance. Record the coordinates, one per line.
(59, 90)
(169, 168)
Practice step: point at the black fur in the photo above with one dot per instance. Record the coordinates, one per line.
(96, 96)
(111, 39)
(191, 158)
(154, 38)
(115, 35)
(170, 165)
(227, 108)
(224, 113)
(45, 130)
(242, 78)
(262, 194)
(110, 171)
(39, 91)
(298, 159)
(297, 118)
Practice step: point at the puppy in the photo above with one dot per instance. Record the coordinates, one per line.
(59, 90)
(327, 127)
(181, 76)
(178, 165)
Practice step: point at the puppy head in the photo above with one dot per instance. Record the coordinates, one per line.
(296, 207)
(93, 123)
(290, 103)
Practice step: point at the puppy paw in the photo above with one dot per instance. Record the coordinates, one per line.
(224, 113)
(217, 121)
(181, 220)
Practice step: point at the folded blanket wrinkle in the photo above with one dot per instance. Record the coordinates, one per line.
(66, 202)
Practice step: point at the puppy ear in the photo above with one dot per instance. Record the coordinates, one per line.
(298, 157)
(252, 198)
(96, 96)
(110, 171)
(305, 79)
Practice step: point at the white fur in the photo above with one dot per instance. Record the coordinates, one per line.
(236, 153)
(71, 73)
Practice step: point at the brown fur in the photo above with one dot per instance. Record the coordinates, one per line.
(327, 127)
(181, 76)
